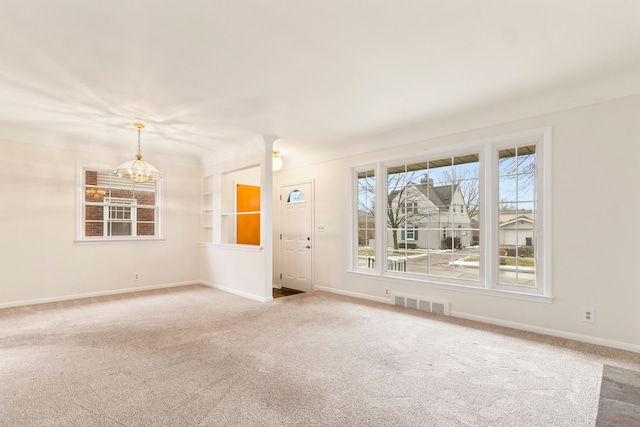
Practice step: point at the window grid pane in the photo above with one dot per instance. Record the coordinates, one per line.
(517, 216)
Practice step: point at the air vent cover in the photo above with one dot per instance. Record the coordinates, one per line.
(414, 303)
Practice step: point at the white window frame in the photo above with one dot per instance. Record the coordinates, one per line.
(81, 167)
(489, 251)
(376, 268)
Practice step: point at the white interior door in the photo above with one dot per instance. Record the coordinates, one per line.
(297, 246)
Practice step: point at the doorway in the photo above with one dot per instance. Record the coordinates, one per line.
(296, 239)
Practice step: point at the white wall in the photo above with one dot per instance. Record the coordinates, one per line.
(594, 160)
(39, 260)
(593, 264)
(240, 269)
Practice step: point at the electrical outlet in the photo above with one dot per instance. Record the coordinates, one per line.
(588, 314)
(386, 292)
(136, 276)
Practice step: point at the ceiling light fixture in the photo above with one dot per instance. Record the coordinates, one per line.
(137, 170)
(276, 163)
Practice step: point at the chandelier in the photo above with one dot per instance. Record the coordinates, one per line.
(137, 170)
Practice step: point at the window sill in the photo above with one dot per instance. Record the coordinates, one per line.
(430, 283)
(118, 241)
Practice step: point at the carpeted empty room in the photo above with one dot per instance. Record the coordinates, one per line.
(194, 355)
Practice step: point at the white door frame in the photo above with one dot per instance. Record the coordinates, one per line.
(311, 182)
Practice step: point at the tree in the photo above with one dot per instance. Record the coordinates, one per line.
(366, 206)
(517, 172)
(469, 185)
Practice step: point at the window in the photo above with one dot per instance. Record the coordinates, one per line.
(420, 202)
(365, 214)
(476, 217)
(410, 207)
(116, 208)
(296, 196)
(118, 216)
(411, 234)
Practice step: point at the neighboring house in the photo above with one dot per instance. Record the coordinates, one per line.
(422, 216)
(516, 232)
(366, 228)
(510, 214)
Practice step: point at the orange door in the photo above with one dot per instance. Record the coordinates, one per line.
(248, 225)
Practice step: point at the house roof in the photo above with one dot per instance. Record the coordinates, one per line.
(521, 218)
(439, 196)
(330, 79)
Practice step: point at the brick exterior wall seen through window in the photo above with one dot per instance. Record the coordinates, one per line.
(95, 211)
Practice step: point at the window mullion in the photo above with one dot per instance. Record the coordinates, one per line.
(382, 234)
(489, 217)
(134, 219)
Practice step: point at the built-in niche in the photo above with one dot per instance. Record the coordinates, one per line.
(240, 206)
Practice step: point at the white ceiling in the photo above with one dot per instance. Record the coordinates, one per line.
(323, 75)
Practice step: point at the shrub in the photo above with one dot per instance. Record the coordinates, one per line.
(407, 245)
(446, 243)
(523, 251)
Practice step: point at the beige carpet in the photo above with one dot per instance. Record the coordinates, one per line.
(198, 356)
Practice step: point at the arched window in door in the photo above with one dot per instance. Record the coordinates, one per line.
(295, 196)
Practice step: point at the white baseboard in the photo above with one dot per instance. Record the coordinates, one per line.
(548, 331)
(237, 292)
(95, 294)
(353, 294)
(509, 324)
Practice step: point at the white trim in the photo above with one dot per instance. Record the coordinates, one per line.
(548, 331)
(237, 292)
(96, 294)
(541, 138)
(354, 226)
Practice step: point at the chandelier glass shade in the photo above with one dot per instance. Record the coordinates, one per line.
(137, 170)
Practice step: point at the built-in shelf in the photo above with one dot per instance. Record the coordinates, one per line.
(206, 213)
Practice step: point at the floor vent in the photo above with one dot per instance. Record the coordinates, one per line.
(428, 306)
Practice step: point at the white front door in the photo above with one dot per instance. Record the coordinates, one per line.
(297, 246)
